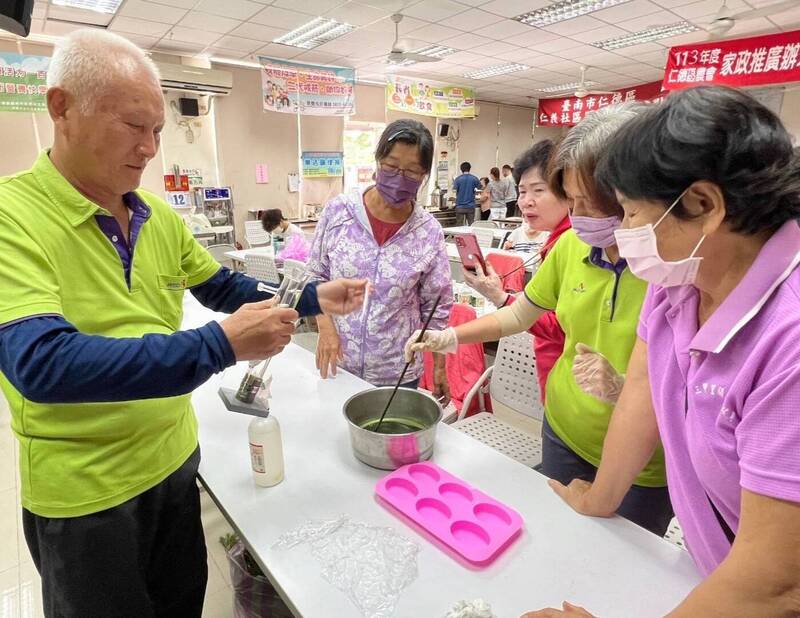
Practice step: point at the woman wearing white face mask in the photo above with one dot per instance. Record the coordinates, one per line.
(597, 302)
(710, 185)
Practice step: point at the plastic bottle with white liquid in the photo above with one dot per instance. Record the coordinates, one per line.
(266, 450)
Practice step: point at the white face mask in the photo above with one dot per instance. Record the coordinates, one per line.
(639, 247)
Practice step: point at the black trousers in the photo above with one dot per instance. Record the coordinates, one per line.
(485, 214)
(649, 507)
(511, 209)
(145, 558)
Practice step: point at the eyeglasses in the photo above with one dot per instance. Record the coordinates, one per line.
(391, 170)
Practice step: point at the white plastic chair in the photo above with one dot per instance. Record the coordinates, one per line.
(262, 267)
(485, 224)
(254, 234)
(218, 253)
(512, 383)
(485, 237)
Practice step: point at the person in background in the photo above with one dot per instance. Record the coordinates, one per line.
(710, 185)
(542, 210)
(384, 234)
(96, 372)
(497, 193)
(485, 200)
(276, 224)
(525, 240)
(465, 186)
(511, 191)
(597, 300)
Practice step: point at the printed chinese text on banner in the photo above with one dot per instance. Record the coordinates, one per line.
(322, 164)
(569, 111)
(294, 87)
(419, 97)
(23, 83)
(754, 61)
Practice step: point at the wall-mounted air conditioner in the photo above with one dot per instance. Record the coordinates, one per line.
(184, 78)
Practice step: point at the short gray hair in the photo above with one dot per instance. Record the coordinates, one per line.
(87, 61)
(582, 147)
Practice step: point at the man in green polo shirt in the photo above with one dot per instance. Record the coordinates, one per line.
(97, 375)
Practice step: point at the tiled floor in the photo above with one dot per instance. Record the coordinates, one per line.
(20, 594)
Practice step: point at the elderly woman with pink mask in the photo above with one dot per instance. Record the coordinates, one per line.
(710, 184)
(391, 240)
(597, 301)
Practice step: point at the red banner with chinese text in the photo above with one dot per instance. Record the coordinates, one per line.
(569, 111)
(755, 61)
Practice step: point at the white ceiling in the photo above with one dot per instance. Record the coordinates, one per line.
(482, 31)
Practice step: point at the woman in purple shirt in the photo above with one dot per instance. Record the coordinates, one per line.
(710, 185)
(395, 243)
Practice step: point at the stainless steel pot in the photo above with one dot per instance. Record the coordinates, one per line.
(412, 420)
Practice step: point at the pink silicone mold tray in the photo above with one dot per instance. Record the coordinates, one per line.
(469, 522)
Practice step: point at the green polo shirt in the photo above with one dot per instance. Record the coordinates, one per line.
(77, 459)
(597, 304)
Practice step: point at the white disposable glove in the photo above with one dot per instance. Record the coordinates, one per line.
(595, 375)
(441, 341)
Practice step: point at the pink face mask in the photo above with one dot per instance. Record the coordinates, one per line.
(596, 232)
(639, 247)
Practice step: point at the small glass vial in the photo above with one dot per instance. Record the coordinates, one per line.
(252, 381)
(266, 450)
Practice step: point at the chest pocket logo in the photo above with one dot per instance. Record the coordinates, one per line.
(171, 289)
(579, 289)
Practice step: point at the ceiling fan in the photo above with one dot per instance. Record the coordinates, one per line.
(726, 19)
(582, 90)
(399, 52)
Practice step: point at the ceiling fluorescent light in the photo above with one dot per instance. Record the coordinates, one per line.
(316, 32)
(647, 35)
(100, 6)
(569, 86)
(564, 10)
(435, 51)
(499, 69)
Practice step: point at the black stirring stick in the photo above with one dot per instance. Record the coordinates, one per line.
(408, 364)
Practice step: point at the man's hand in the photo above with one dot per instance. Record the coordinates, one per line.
(341, 296)
(490, 284)
(259, 330)
(329, 348)
(568, 609)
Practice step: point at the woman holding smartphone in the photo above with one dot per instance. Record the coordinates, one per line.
(597, 301)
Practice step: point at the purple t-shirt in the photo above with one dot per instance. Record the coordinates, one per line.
(727, 395)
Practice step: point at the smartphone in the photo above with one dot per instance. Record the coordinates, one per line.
(470, 252)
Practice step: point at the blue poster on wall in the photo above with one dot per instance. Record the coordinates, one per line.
(323, 164)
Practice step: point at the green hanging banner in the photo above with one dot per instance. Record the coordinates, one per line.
(23, 83)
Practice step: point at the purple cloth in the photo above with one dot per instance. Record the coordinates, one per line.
(407, 273)
(140, 212)
(727, 395)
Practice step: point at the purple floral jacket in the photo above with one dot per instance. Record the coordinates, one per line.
(407, 274)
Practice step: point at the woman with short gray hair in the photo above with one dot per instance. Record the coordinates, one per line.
(597, 301)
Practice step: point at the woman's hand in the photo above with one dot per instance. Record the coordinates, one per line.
(595, 375)
(329, 348)
(342, 296)
(490, 284)
(567, 609)
(508, 246)
(441, 341)
(441, 389)
(578, 495)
